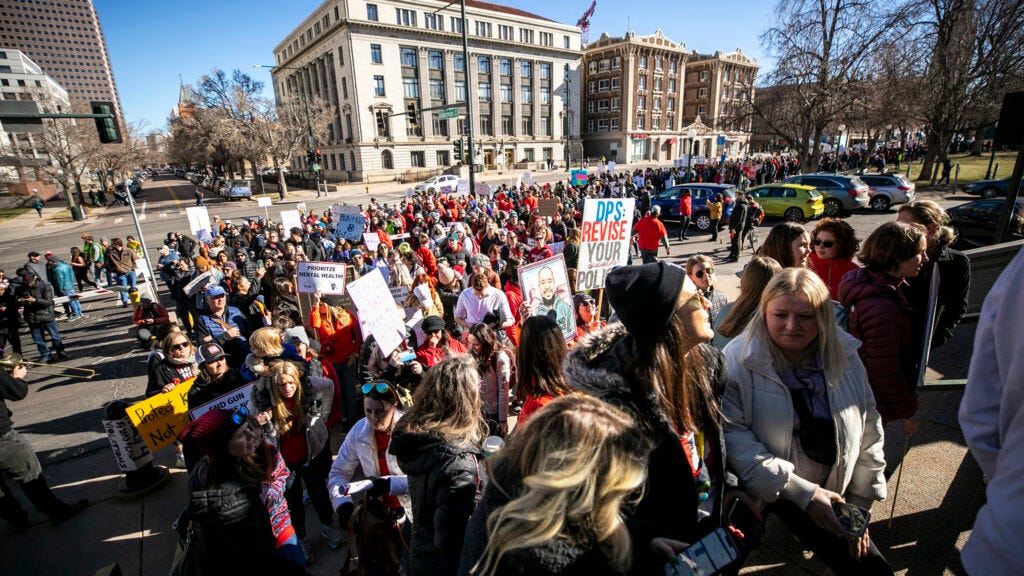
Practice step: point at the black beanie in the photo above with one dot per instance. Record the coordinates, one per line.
(645, 297)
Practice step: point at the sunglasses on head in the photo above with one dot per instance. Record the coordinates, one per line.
(240, 415)
(380, 387)
(700, 273)
(825, 243)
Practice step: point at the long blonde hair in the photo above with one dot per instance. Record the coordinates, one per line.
(826, 346)
(283, 418)
(447, 402)
(756, 275)
(579, 461)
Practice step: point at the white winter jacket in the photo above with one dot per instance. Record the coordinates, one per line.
(360, 449)
(759, 428)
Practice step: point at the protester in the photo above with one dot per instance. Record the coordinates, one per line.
(19, 462)
(36, 300)
(557, 493)
(494, 366)
(63, 277)
(437, 344)
(224, 325)
(834, 245)
(735, 316)
(539, 358)
(340, 339)
(990, 417)
(82, 269)
(479, 300)
(700, 269)
(788, 244)
(685, 211)
(650, 232)
(148, 316)
(800, 422)
(737, 225)
(588, 318)
(120, 262)
(715, 206)
(655, 366)
(176, 365)
(10, 323)
(437, 444)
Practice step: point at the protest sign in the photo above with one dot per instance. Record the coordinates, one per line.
(462, 188)
(130, 451)
(371, 241)
(611, 167)
(237, 397)
(519, 181)
(557, 247)
(483, 190)
(301, 207)
(370, 293)
(547, 207)
(700, 160)
(198, 219)
(408, 192)
(159, 419)
(579, 177)
(446, 190)
(545, 287)
(198, 284)
(323, 277)
(604, 244)
(290, 219)
(263, 201)
(349, 226)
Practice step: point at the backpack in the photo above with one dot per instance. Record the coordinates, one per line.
(378, 539)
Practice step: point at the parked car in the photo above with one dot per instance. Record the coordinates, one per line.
(975, 222)
(699, 194)
(435, 183)
(888, 189)
(988, 188)
(841, 192)
(789, 201)
(133, 186)
(235, 189)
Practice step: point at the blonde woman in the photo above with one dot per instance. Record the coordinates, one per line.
(735, 316)
(801, 429)
(556, 494)
(437, 444)
(295, 417)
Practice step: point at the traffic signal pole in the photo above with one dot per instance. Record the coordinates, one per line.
(469, 99)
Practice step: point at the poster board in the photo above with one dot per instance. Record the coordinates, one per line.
(237, 397)
(263, 201)
(483, 190)
(198, 283)
(929, 326)
(374, 301)
(325, 277)
(130, 451)
(604, 243)
(579, 177)
(548, 207)
(350, 226)
(545, 286)
(198, 219)
(290, 219)
(371, 241)
(159, 419)
(462, 188)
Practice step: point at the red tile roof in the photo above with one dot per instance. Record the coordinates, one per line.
(504, 9)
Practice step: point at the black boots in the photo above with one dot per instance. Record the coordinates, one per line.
(39, 494)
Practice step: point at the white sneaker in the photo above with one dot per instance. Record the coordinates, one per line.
(331, 535)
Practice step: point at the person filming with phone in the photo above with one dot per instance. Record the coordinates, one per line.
(801, 429)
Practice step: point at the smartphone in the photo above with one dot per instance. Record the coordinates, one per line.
(741, 517)
(707, 557)
(853, 519)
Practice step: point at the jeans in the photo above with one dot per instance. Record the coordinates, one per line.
(714, 230)
(684, 226)
(37, 337)
(76, 306)
(314, 475)
(649, 255)
(128, 281)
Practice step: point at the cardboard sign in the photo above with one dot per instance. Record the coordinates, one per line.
(130, 451)
(198, 219)
(350, 226)
(579, 177)
(237, 397)
(374, 301)
(545, 287)
(371, 241)
(607, 228)
(290, 219)
(159, 419)
(548, 207)
(263, 202)
(198, 283)
(325, 277)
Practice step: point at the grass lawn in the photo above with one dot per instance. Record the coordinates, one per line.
(972, 168)
(8, 213)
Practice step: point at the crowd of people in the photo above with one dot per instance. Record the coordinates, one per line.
(659, 419)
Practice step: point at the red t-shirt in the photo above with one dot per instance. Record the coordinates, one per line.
(531, 405)
(382, 439)
(293, 444)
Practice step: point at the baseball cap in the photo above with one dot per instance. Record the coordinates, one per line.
(215, 290)
(209, 353)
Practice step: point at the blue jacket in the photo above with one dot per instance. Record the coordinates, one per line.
(63, 277)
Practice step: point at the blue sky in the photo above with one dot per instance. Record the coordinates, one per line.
(151, 43)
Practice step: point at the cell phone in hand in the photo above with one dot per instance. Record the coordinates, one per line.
(709, 556)
(741, 517)
(853, 519)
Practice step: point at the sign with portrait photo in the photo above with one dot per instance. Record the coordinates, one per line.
(545, 286)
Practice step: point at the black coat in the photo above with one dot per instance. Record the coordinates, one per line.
(10, 389)
(40, 311)
(954, 285)
(445, 485)
(738, 218)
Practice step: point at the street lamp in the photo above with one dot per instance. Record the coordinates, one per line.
(839, 139)
(692, 135)
(305, 105)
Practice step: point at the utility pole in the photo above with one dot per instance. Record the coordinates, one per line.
(568, 121)
(469, 101)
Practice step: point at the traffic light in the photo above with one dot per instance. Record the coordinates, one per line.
(107, 128)
(310, 158)
(412, 113)
(458, 150)
(318, 157)
(382, 123)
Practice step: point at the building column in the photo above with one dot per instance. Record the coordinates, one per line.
(517, 99)
(423, 77)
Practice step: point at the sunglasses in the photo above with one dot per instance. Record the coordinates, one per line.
(825, 243)
(380, 387)
(695, 302)
(589, 302)
(700, 273)
(180, 345)
(240, 415)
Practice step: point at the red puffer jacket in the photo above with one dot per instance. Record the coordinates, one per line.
(880, 319)
(831, 271)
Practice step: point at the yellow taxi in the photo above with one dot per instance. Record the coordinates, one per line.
(789, 201)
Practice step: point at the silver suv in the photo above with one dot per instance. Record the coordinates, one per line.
(842, 192)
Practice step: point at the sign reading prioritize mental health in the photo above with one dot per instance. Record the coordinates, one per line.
(376, 307)
(323, 277)
(237, 397)
(604, 244)
(159, 419)
(198, 219)
(545, 287)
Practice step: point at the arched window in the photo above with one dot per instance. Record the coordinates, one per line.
(385, 160)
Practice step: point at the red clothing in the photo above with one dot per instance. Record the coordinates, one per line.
(382, 439)
(650, 231)
(531, 405)
(685, 206)
(538, 253)
(515, 299)
(429, 260)
(384, 238)
(430, 355)
(531, 203)
(338, 340)
(831, 271)
(293, 444)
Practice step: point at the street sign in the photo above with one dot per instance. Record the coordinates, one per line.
(447, 113)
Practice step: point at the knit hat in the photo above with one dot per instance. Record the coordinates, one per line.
(445, 274)
(645, 297)
(211, 432)
(480, 260)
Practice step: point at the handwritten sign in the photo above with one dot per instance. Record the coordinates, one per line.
(130, 451)
(607, 227)
(301, 207)
(290, 219)
(198, 283)
(263, 201)
(547, 207)
(483, 190)
(579, 177)
(159, 419)
(369, 293)
(325, 277)
(198, 219)
(237, 397)
(349, 226)
(371, 241)
(462, 187)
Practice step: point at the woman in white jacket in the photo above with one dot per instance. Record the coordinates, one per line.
(801, 429)
(366, 446)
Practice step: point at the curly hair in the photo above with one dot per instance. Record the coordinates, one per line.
(847, 242)
(447, 402)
